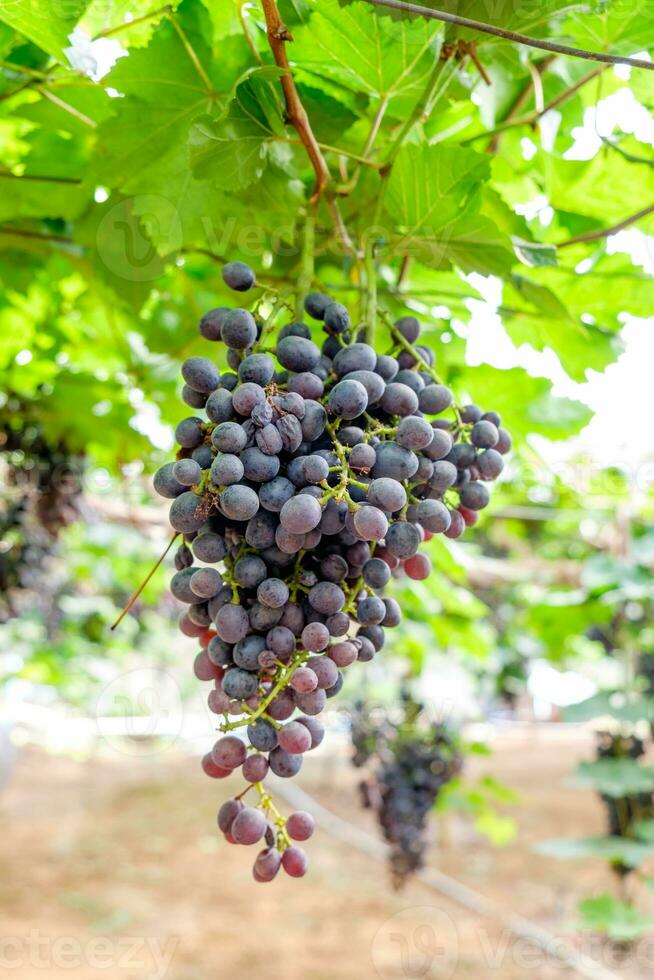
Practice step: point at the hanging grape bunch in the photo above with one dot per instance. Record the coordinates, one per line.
(313, 479)
(409, 761)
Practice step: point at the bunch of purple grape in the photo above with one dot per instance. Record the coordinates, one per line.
(410, 759)
(311, 478)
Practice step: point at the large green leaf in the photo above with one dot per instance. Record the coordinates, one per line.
(614, 849)
(357, 48)
(47, 23)
(434, 203)
(619, 920)
(234, 150)
(616, 777)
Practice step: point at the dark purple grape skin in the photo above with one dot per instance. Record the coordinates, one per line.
(348, 399)
(201, 374)
(165, 484)
(239, 329)
(238, 276)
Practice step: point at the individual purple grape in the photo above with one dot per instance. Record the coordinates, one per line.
(226, 469)
(403, 539)
(232, 623)
(348, 399)
(187, 472)
(284, 764)
(209, 547)
(240, 684)
(314, 421)
(336, 318)
(281, 707)
(238, 329)
(471, 414)
(315, 305)
(262, 735)
(229, 752)
(489, 464)
(255, 768)
(201, 374)
(388, 494)
(327, 598)
(504, 442)
(373, 384)
(248, 826)
(238, 502)
(399, 399)
(306, 384)
(238, 276)
(304, 680)
(273, 592)
(210, 768)
(294, 738)
(267, 864)
(474, 495)
(300, 825)
(295, 862)
(433, 516)
(228, 813)
(409, 327)
(414, 433)
(281, 640)
(393, 615)
(484, 434)
(316, 729)
(246, 397)
(165, 484)
(206, 582)
(218, 702)
(219, 406)
(394, 462)
(300, 514)
(315, 637)
(362, 457)
(229, 437)
(211, 323)
(189, 433)
(355, 357)
(370, 523)
(311, 703)
(247, 650)
(376, 573)
(370, 612)
(325, 670)
(434, 399)
(269, 440)
(186, 513)
(297, 354)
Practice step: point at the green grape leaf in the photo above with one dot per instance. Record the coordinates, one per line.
(47, 23)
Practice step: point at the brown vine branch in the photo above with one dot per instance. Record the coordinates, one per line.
(532, 42)
(42, 178)
(530, 118)
(594, 236)
(278, 35)
(136, 594)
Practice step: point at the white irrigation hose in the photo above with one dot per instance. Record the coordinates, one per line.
(457, 892)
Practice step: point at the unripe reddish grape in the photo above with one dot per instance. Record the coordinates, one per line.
(300, 825)
(294, 862)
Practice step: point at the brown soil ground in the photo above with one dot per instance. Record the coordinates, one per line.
(111, 868)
